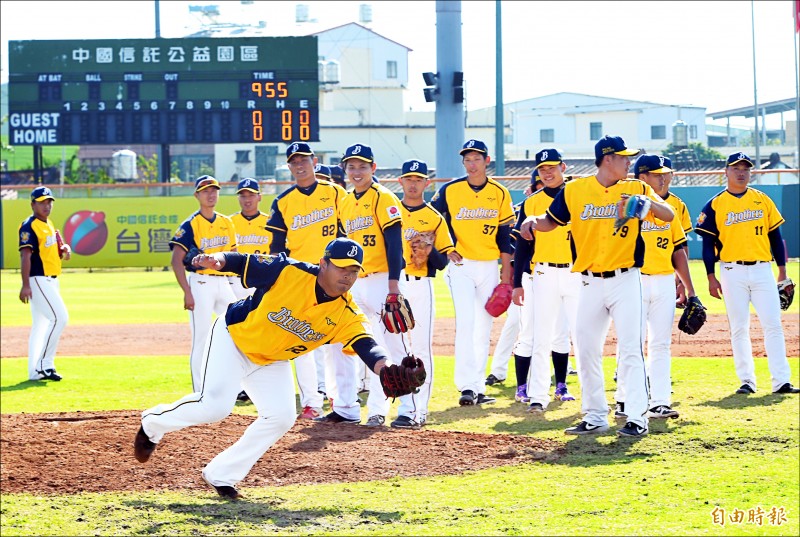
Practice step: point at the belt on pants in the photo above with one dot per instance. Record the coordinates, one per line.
(409, 278)
(748, 263)
(604, 275)
(557, 265)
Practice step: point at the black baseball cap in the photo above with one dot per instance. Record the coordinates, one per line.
(205, 181)
(733, 158)
(548, 157)
(414, 167)
(41, 193)
(249, 184)
(359, 151)
(344, 252)
(474, 145)
(298, 148)
(612, 144)
(650, 164)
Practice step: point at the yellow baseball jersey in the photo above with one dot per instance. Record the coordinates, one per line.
(309, 217)
(420, 219)
(364, 217)
(660, 240)
(252, 236)
(211, 236)
(740, 225)
(551, 247)
(475, 215)
(682, 215)
(592, 209)
(40, 237)
(283, 319)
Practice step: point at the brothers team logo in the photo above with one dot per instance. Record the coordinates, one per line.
(86, 232)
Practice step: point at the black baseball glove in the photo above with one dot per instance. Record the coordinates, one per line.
(786, 293)
(403, 379)
(693, 317)
(193, 252)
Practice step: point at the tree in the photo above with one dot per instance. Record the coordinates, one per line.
(701, 152)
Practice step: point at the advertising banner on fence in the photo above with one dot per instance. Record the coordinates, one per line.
(111, 232)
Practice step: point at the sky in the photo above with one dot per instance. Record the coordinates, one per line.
(683, 53)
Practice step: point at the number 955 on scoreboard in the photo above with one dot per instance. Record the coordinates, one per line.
(163, 91)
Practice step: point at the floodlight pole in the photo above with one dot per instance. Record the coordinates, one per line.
(164, 158)
(499, 120)
(449, 114)
(756, 137)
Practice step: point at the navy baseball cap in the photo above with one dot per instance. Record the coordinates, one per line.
(249, 184)
(650, 164)
(359, 151)
(414, 167)
(344, 252)
(298, 148)
(324, 171)
(612, 144)
(548, 157)
(535, 177)
(41, 193)
(337, 175)
(205, 181)
(733, 158)
(668, 163)
(474, 145)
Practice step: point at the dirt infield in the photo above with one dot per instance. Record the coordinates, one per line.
(174, 339)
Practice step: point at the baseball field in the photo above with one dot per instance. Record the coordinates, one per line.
(729, 465)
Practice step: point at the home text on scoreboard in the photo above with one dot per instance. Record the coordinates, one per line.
(163, 91)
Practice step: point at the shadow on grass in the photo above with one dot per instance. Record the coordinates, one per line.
(736, 400)
(24, 385)
(255, 511)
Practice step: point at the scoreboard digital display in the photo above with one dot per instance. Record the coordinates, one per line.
(163, 91)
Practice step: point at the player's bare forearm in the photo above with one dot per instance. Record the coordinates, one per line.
(179, 270)
(680, 261)
(714, 287)
(25, 293)
(210, 261)
(380, 364)
(536, 223)
(505, 269)
(394, 287)
(781, 272)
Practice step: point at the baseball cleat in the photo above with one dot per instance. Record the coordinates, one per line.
(468, 398)
(745, 389)
(491, 380)
(787, 388)
(562, 394)
(375, 421)
(571, 370)
(225, 491)
(586, 428)
(662, 412)
(333, 417)
(631, 429)
(619, 412)
(242, 396)
(48, 374)
(536, 408)
(522, 396)
(404, 422)
(484, 399)
(309, 413)
(143, 448)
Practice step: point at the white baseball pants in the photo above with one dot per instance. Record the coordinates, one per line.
(741, 285)
(599, 301)
(471, 284)
(225, 371)
(212, 294)
(419, 293)
(49, 317)
(506, 342)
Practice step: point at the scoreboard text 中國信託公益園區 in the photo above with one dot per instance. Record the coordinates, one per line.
(163, 91)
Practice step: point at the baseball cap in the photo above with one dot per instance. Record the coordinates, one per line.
(474, 145)
(249, 184)
(337, 176)
(414, 167)
(733, 158)
(205, 181)
(298, 148)
(41, 193)
(344, 252)
(668, 163)
(548, 157)
(650, 164)
(612, 144)
(359, 151)
(324, 171)
(535, 177)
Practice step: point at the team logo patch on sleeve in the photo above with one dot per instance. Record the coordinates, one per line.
(264, 258)
(24, 236)
(394, 212)
(701, 218)
(179, 233)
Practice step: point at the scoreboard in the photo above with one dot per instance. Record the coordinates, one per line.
(163, 91)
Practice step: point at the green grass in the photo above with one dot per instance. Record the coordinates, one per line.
(21, 157)
(729, 451)
(113, 296)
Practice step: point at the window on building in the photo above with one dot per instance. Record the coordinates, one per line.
(266, 156)
(658, 132)
(242, 157)
(391, 69)
(596, 130)
(547, 135)
(693, 132)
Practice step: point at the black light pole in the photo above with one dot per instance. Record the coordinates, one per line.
(164, 157)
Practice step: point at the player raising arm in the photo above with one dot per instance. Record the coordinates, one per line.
(296, 308)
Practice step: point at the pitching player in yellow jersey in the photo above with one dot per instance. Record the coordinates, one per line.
(479, 212)
(296, 308)
(609, 263)
(740, 227)
(416, 281)
(304, 219)
(40, 266)
(252, 236)
(205, 291)
(371, 216)
(548, 293)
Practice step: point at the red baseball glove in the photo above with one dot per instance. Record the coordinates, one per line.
(500, 300)
(403, 379)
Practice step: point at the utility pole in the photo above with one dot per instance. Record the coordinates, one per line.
(499, 127)
(449, 96)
